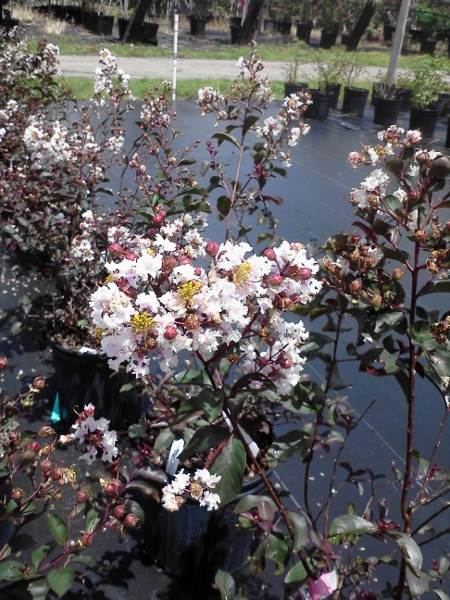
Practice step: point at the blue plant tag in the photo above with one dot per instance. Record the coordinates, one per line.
(57, 415)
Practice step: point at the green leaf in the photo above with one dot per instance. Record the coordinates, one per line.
(435, 287)
(296, 574)
(300, 524)
(60, 580)
(57, 529)
(277, 550)
(421, 334)
(225, 137)
(39, 589)
(351, 525)
(418, 583)
(85, 559)
(411, 551)
(11, 570)
(223, 205)
(91, 520)
(249, 122)
(225, 584)
(203, 439)
(38, 555)
(252, 501)
(440, 594)
(230, 465)
(388, 320)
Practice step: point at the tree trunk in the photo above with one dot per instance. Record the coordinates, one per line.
(361, 25)
(137, 19)
(250, 23)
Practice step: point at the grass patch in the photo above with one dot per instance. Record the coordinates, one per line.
(80, 88)
(268, 52)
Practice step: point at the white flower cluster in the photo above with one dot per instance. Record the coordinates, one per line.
(94, 436)
(155, 111)
(82, 247)
(157, 304)
(53, 144)
(393, 137)
(105, 75)
(371, 190)
(17, 62)
(196, 487)
(5, 117)
(209, 99)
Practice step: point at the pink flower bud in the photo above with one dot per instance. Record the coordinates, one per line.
(130, 255)
(197, 271)
(270, 254)
(159, 218)
(116, 249)
(285, 362)
(304, 273)
(354, 158)
(170, 332)
(275, 279)
(3, 362)
(185, 260)
(212, 248)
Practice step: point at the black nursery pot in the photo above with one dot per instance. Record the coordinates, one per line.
(405, 96)
(428, 46)
(333, 92)
(388, 32)
(89, 19)
(444, 97)
(294, 88)
(354, 101)
(83, 378)
(447, 139)
(284, 27)
(416, 35)
(198, 26)
(320, 107)
(424, 119)
(122, 24)
(328, 37)
(104, 24)
(235, 29)
(270, 26)
(386, 111)
(9, 24)
(193, 543)
(304, 31)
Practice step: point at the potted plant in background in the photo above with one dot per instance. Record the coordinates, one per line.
(355, 98)
(198, 15)
(270, 22)
(330, 26)
(284, 17)
(329, 73)
(292, 84)
(387, 103)
(425, 105)
(427, 20)
(304, 27)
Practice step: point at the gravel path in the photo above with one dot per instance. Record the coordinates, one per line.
(189, 68)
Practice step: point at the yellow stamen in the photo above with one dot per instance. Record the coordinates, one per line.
(142, 322)
(188, 290)
(242, 273)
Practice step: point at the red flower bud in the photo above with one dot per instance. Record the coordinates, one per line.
(130, 255)
(46, 466)
(34, 446)
(3, 362)
(270, 254)
(131, 520)
(116, 249)
(304, 273)
(275, 279)
(57, 473)
(285, 362)
(119, 512)
(170, 332)
(212, 248)
(197, 272)
(159, 218)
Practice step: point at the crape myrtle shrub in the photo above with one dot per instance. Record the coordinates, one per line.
(212, 329)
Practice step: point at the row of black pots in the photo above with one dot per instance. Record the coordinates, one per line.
(9, 24)
(146, 34)
(322, 102)
(98, 24)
